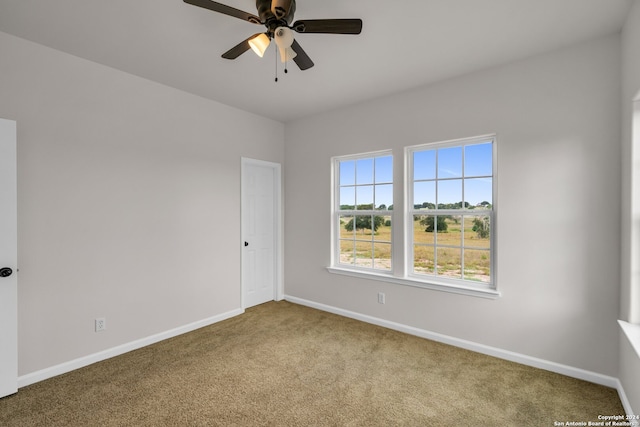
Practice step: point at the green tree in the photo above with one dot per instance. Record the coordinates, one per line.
(429, 222)
(364, 222)
(482, 227)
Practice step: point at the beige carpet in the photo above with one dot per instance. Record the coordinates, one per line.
(281, 364)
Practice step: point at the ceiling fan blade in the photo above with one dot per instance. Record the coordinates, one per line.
(280, 8)
(302, 60)
(227, 10)
(239, 49)
(328, 26)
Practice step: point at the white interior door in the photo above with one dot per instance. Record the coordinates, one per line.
(8, 260)
(260, 232)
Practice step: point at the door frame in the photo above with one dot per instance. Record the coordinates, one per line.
(278, 227)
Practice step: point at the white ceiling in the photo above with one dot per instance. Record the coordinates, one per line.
(404, 44)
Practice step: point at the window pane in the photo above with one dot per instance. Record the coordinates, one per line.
(364, 171)
(477, 265)
(364, 197)
(450, 162)
(449, 262)
(364, 256)
(383, 228)
(384, 196)
(382, 256)
(478, 160)
(449, 230)
(348, 172)
(477, 231)
(423, 231)
(347, 252)
(346, 227)
(450, 194)
(479, 192)
(347, 198)
(424, 195)
(363, 226)
(384, 169)
(423, 259)
(424, 165)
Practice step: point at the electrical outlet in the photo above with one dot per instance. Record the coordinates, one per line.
(381, 298)
(101, 324)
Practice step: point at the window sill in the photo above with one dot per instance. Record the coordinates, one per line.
(408, 281)
(633, 334)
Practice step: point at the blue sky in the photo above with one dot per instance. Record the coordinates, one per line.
(369, 180)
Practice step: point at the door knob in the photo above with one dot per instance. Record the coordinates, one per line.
(5, 272)
(246, 243)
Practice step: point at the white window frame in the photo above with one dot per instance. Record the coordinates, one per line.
(402, 231)
(337, 213)
(410, 211)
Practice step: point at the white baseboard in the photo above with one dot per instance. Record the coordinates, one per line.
(81, 362)
(632, 333)
(626, 404)
(469, 345)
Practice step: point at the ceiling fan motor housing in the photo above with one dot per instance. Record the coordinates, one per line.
(272, 21)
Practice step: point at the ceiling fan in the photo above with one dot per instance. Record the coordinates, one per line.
(277, 16)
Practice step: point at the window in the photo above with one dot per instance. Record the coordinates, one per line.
(450, 211)
(447, 221)
(364, 198)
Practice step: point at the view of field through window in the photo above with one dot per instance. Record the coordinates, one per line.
(366, 192)
(464, 242)
(452, 211)
(451, 207)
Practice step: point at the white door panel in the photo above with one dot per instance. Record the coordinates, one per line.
(260, 213)
(8, 260)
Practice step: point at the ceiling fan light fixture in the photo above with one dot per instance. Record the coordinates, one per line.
(259, 44)
(283, 37)
(287, 54)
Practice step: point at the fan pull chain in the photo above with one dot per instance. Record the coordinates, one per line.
(276, 64)
(285, 62)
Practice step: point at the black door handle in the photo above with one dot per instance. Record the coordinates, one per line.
(246, 244)
(5, 272)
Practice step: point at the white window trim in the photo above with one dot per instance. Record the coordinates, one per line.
(409, 211)
(632, 333)
(335, 240)
(461, 287)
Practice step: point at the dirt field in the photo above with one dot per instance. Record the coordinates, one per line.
(458, 242)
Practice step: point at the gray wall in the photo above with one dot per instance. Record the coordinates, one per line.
(630, 284)
(557, 117)
(129, 202)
